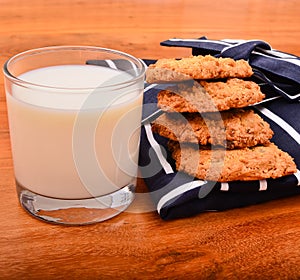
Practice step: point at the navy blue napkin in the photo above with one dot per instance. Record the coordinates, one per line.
(178, 195)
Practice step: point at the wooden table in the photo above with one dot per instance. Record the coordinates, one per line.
(257, 242)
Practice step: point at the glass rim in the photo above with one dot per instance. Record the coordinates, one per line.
(19, 81)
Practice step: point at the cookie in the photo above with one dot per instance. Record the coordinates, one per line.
(233, 129)
(257, 163)
(206, 96)
(196, 67)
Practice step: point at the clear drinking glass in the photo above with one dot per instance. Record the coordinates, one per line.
(74, 117)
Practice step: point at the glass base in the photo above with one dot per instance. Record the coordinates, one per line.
(76, 212)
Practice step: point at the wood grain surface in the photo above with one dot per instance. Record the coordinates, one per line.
(257, 242)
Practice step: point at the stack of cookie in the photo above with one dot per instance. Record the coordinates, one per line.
(213, 134)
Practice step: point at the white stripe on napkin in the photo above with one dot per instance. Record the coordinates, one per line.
(297, 174)
(150, 87)
(157, 149)
(263, 185)
(224, 186)
(199, 41)
(282, 123)
(178, 191)
(111, 64)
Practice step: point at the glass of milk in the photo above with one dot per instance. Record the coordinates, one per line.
(74, 116)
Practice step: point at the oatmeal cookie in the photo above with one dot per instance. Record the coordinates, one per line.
(233, 129)
(206, 96)
(257, 163)
(196, 67)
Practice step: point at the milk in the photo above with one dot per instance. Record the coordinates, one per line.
(71, 140)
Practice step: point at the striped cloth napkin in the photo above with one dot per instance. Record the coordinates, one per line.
(177, 195)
